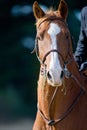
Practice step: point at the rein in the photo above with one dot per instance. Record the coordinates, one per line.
(53, 122)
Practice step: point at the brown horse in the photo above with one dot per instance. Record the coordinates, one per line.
(62, 101)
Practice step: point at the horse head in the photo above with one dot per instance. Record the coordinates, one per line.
(53, 41)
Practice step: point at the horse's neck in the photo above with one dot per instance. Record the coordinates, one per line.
(61, 102)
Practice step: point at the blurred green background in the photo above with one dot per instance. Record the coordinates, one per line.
(18, 68)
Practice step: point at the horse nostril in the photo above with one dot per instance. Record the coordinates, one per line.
(62, 74)
(49, 76)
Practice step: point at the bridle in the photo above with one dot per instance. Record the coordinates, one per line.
(66, 72)
(65, 62)
(52, 50)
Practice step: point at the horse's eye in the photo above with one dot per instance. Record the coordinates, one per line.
(67, 36)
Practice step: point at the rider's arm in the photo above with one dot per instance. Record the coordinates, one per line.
(81, 50)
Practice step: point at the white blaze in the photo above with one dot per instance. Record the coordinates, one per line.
(55, 67)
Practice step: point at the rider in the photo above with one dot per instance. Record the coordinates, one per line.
(81, 50)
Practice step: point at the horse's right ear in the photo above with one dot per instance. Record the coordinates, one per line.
(38, 12)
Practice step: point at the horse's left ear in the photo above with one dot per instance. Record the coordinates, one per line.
(38, 12)
(63, 9)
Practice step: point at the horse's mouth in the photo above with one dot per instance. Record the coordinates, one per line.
(54, 84)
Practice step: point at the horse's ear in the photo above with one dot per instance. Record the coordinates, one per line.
(63, 9)
(38, 12)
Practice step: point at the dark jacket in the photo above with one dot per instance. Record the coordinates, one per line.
(81, 50)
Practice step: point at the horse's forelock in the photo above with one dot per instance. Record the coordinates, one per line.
(50, 14)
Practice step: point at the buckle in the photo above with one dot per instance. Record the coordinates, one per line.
(51, 122)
